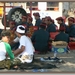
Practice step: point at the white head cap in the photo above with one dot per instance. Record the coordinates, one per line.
(20, 29)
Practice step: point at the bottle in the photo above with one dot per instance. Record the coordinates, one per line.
(42, 59)
(35, 70)
(43, 70)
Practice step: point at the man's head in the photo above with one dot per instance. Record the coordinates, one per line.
(24, 18)
(62, 28)
(43, 25)
(43, 20)
(29, 19)
(60, 20)
(71, 20)
(48, 20)
(20, 30)
(36, 15)
(5, 36)
(12, 24)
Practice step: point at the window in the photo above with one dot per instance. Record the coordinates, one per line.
(53, 6)
(33, 4)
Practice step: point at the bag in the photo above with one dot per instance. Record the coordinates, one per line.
(26, 58)
(59, 44)
(59, 50)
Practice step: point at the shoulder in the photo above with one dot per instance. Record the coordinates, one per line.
(67, 34)
(35, 32)
(72, 26)
(1, 43)
(46, 32)
(23, 37)
(7, 43)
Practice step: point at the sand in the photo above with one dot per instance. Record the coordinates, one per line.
(67, 67)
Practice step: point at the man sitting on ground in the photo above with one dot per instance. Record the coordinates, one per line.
(25, 51)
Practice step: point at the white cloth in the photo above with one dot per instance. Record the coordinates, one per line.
(26, 58)
(2, 51)
(29, 49)
(19, 30)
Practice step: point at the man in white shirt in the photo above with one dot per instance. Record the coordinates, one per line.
(25, 51)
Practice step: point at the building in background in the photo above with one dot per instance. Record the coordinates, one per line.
(53, 9)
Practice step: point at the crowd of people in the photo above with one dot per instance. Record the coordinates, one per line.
(17, 47)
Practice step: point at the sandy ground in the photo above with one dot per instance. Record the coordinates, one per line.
(67, 67)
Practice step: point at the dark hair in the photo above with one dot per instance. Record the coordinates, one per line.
(43, 25)
(71, 19)
(21, 28)
(5, 33)
(62, 28)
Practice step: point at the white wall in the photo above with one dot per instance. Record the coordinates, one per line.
(52, 14)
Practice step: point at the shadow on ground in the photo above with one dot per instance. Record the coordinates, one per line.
(36, 64)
